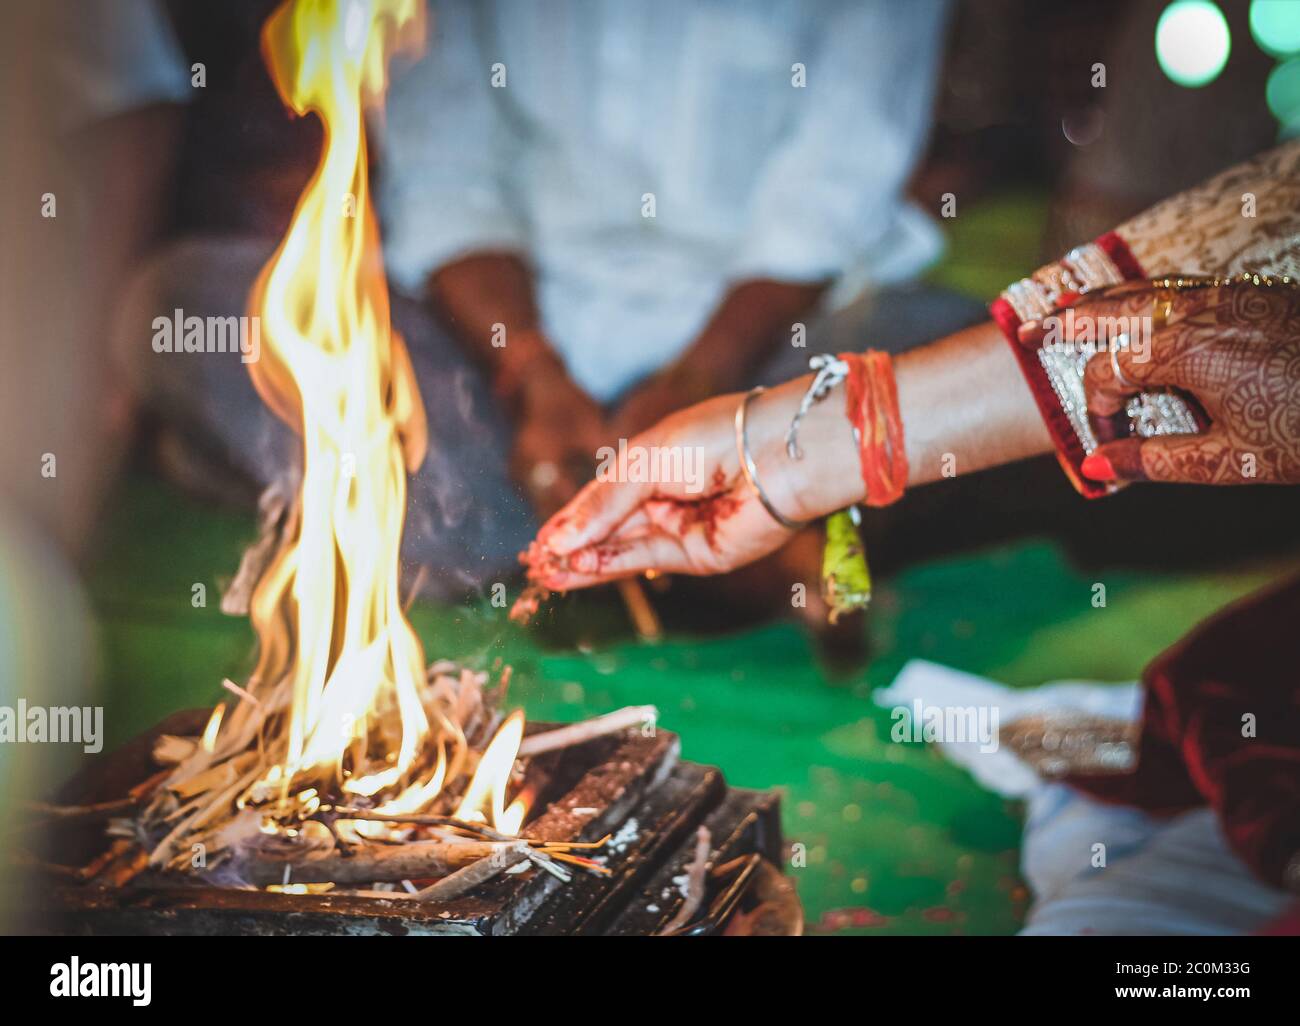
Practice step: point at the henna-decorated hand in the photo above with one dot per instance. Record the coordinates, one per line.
(1236, 349)
(707, 525)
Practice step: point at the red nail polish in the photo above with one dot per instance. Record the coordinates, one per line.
(1097, 467)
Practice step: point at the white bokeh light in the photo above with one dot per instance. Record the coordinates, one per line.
(1192, 42)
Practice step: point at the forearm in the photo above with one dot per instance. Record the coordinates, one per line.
(964, 406)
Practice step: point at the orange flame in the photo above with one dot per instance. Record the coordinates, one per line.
(327, 612)
(488, 788)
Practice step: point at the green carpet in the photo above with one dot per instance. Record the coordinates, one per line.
(895, 839)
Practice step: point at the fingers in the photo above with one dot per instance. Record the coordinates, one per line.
(1094, 320)
(1107, 392)
(594, 513)
(648, 538)
(1129, 355)
(618, 558)
(1191, 459)
(1120, 309)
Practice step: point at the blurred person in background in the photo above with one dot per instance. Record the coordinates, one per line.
(619, 209)
(592, 213)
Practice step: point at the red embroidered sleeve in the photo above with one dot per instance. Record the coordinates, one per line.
(1246, 218)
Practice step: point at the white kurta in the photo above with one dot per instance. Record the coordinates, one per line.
(606, 104)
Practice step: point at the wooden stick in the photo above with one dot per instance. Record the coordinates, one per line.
(441, 824)
(235, 689)
(474, 875)
(172, 750)
(644, 618)
(163, 853)
(126, 867)
(147, 786)
(410, 861)
(418, 580)
(695, 882)
(100, 810)
(587, 730)
(26, 860)
(219, 776)
(105, 858)
(481, 829)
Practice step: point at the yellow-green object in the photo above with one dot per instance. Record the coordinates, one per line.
(846, 578)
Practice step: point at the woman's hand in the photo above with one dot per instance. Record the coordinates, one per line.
(707, 520)
(1236, 349)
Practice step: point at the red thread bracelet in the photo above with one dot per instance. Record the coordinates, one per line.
(871, 403)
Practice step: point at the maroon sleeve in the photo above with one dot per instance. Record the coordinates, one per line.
(1221, 726)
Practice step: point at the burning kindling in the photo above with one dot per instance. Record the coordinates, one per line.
(234, 816)
(342, 762)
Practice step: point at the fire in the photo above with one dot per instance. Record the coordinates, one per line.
(209, 739)
(488, 788)
(327, 610)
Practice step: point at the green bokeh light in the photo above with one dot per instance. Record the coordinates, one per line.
(1283, 94)
(1192, 42)
(1275, 24)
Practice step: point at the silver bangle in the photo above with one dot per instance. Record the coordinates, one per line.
(747, 462)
